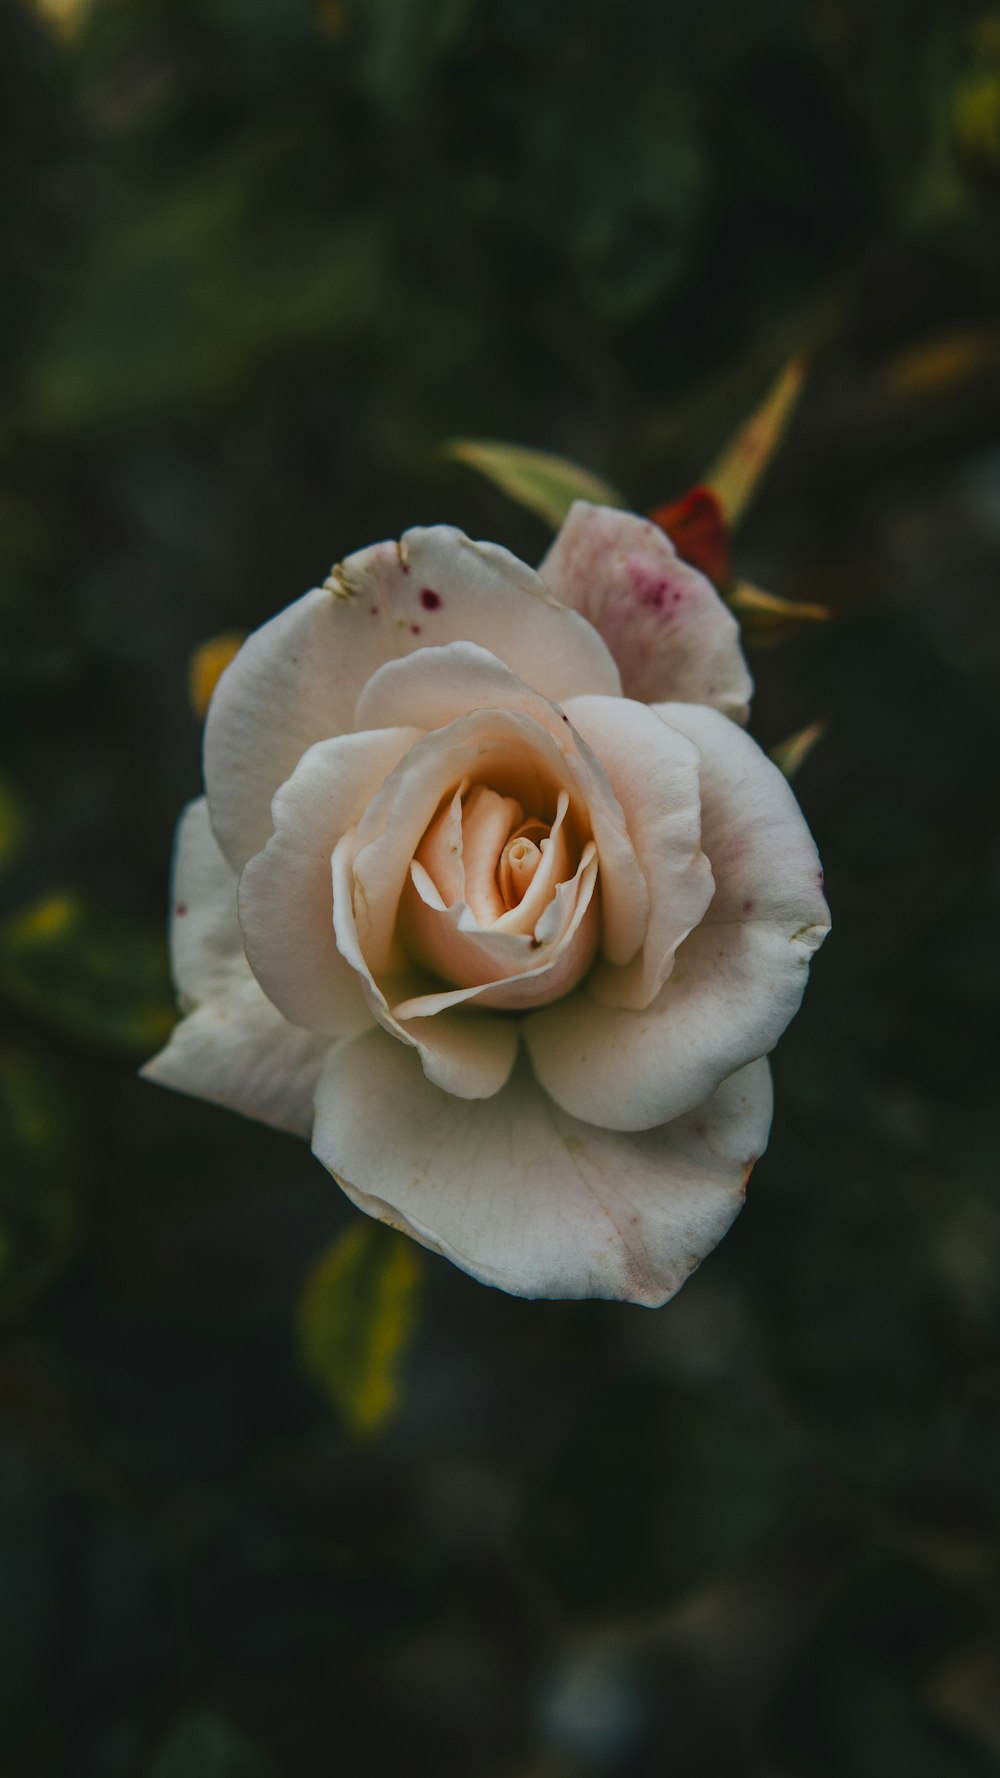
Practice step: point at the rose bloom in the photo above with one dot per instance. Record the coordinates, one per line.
(492, 898)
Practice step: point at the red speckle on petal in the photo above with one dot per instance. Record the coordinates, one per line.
(653, 588)
(181, 909)
(414, 629)
(747, 905)
(430, 600)
(374, 610)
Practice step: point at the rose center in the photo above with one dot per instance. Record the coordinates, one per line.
(502, 897)
(519, 861)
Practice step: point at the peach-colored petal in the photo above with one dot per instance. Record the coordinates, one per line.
(511, 971)
(670, 633)
(232, 1047)
(465, 678)
(738, 978)
(524, 1196)
(286, 896)
(466, 1053)
(296, 680)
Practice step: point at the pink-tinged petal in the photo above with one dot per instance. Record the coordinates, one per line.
(465, 1053)
(527, 1198)
(297, 679)
(464, 677)
(233, 1048)
(286, 894)
(663, 621)
(737, 980)
(654, 773)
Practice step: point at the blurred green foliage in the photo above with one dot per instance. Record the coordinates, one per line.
(262, 261)
(203, 1746)
(356, 1317)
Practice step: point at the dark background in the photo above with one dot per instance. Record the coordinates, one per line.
(263, 258)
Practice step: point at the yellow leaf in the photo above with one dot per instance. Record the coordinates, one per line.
(791, 754)
(964, 1687)
(208, 663)
(64, 16)
(767, 618)
(355, 1319)
(547, 485)
(943, 363)
(736, 472)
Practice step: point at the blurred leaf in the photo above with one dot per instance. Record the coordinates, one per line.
(356, 1317)
(64, 16)
(547, 485)
(202, 1745)
(735, 475)
(183, 293)
(765, 617)
(653, 1491)
(976, 118)
(37, 1200)
(208, 663)
(13, 823)
(87, 972)
(402, 44)
(966, 1689)
(789, 755)
(943, 363)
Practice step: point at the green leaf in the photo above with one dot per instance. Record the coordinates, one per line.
(202, 1745)
(87, 972)
(547, 485)
(356, 1316)
(37, 1199)
(736, 473)
(789, 755)
(766, 617)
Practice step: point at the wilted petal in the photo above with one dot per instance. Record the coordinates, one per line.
(524, 1196)
(665, 624)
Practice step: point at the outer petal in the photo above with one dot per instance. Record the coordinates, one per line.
(233, 1047)
(286, 894)
(297, 679)
(737, 979)
(654, 774)
(665, 624)
(525, 1197)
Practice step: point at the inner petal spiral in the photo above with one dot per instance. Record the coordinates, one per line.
(495, 890)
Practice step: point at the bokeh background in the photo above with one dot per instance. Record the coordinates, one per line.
(263, 258)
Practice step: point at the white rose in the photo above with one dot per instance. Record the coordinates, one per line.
(493, 899)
